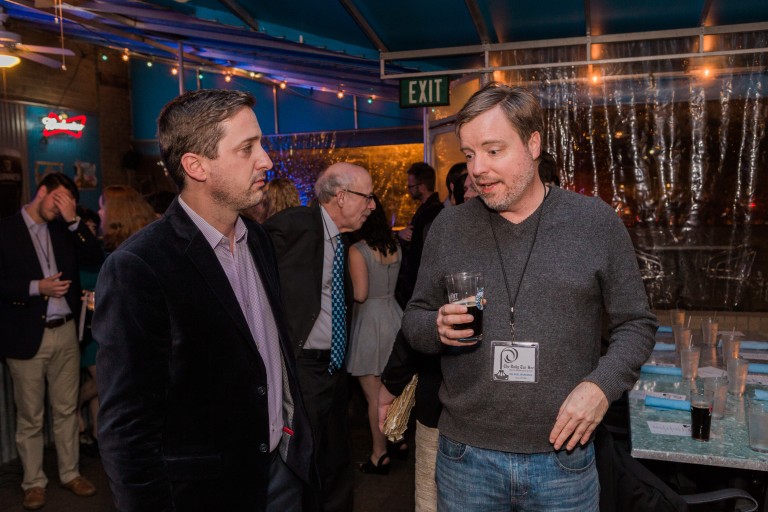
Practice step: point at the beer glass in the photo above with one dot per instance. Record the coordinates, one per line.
(466, 289)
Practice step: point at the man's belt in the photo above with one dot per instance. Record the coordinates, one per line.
(58, 322)
(311, 353)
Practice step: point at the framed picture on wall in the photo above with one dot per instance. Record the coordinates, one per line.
(44, 168)
(85, 175)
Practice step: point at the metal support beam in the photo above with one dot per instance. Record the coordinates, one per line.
(705, 12)
(180, 58)
(274, 103)
(354, 109)
(575, 41)
(241, 13)
(425, 135)
(587, 18)
(364, 25)
(479, 21)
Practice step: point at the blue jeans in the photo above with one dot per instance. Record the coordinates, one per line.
(473, 479)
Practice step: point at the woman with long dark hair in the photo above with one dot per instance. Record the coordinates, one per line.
(374, 263)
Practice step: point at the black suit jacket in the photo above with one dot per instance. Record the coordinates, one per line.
(299, 236)
(184, 423)
(409, 269)
(22, 317)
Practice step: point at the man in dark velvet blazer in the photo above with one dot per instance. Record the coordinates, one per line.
(41, 247)
(305, 240)
(200, 407)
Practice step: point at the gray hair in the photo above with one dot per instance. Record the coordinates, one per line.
(330, 181)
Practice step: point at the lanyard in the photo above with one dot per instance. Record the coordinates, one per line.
(328, 232)
(44, 248)
(513, 301)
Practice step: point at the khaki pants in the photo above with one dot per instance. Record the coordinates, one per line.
(57, 362)
(426, 454)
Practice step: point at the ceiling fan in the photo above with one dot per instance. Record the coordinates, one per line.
(12, 49)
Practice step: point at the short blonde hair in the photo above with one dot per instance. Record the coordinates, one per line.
(281, 194)
(125, 212)
(520, 106)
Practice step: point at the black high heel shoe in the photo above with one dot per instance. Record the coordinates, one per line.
(380, 468)
(398, 451)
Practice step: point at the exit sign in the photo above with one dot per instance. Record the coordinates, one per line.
(424, 92)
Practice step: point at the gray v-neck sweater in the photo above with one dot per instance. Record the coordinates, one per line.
(582, 266)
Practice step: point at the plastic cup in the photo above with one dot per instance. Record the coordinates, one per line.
(466, 289)
(701, 413)
(676, 317)
(708, 332)
(731, 347)
(719, 387)
(737, 375)
(689, 362)
(757, 422)
(682, 337)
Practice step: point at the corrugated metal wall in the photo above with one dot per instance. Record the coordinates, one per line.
(12, 136)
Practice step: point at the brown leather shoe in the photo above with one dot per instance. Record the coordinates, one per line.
(80, 486)
(34, 498)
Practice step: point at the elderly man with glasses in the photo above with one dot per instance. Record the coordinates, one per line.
(312, 249)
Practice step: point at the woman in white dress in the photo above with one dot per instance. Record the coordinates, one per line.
(374, 263)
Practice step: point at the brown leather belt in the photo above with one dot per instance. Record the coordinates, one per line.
(58, 322)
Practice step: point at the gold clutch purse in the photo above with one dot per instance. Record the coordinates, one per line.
(396, 422)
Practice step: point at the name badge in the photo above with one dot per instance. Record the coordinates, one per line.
(515, 361)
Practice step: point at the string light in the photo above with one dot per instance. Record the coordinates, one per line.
(227, 78)
(126, 55)
(104, 57)
(283, 84)
(58, 11)
(174, 71)
(340, 94)
(371, 98)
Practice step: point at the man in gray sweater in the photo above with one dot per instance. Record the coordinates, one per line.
(520, 406)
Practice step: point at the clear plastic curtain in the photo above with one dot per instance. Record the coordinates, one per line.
(679, 149)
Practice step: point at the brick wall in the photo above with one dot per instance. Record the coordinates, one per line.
(89, 84)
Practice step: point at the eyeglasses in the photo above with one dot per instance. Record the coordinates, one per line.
(413, 186)
(368, 197)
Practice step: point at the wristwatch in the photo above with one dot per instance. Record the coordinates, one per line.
(74, 221)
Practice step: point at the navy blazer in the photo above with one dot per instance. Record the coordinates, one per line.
(299, 237)
(184, 422)
(22, 317)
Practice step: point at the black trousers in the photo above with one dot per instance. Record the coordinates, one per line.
(326, 399)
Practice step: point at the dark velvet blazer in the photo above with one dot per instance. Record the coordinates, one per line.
(184, 422)
(299, 236)
(22, 317)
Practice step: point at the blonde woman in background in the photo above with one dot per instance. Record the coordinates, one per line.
(123, 212)
(280, 193)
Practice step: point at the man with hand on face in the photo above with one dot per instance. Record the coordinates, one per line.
(200, 406)
(317, 295)
(40, 250)
(519, 408)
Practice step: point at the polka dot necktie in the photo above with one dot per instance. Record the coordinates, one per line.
(338, 309)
